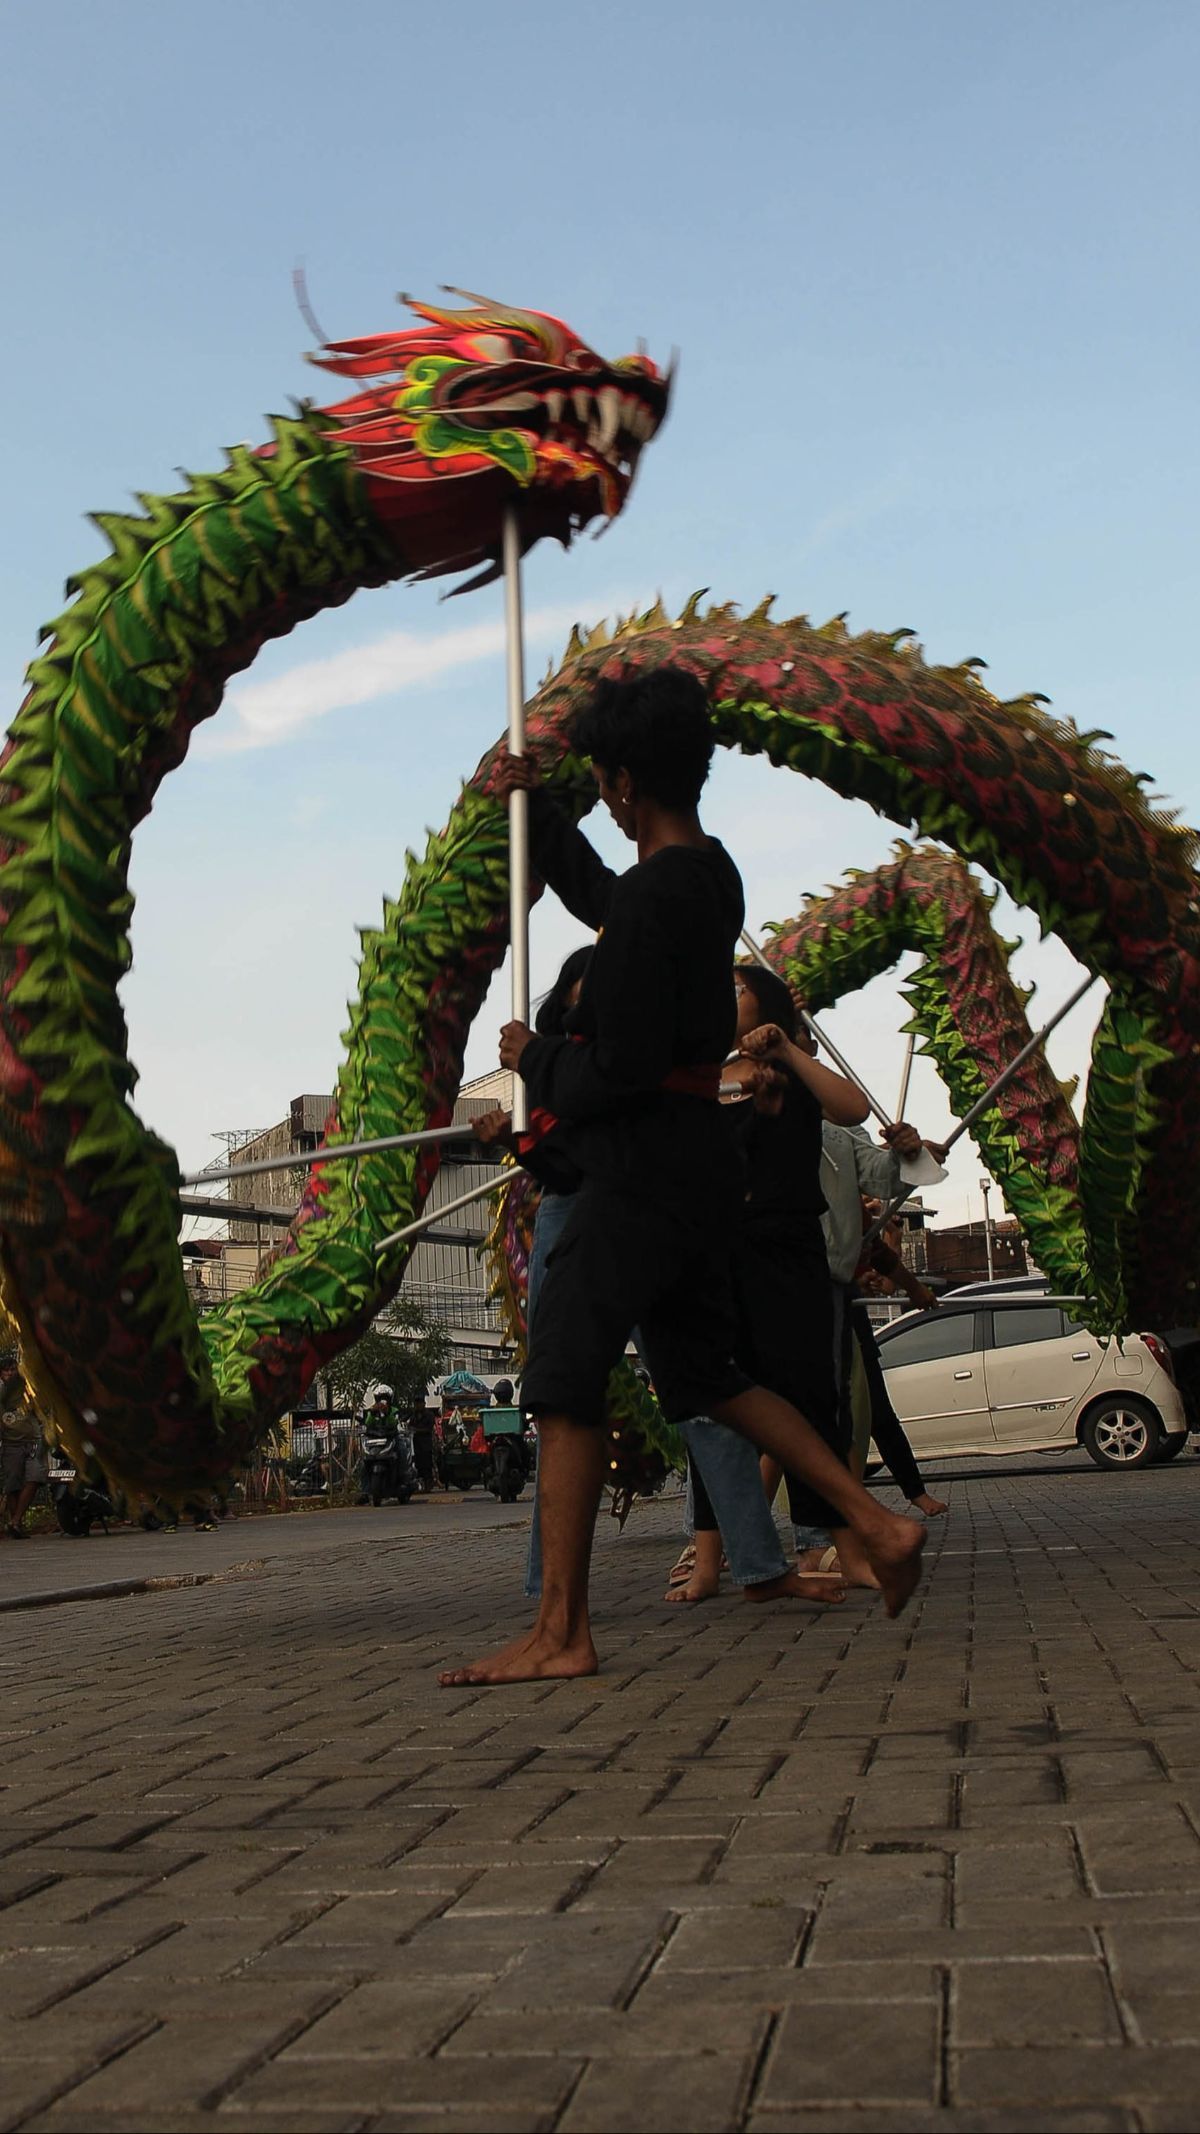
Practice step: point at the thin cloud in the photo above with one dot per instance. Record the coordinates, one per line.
(268, 714)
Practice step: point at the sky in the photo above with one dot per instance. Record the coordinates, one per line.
(931, 270)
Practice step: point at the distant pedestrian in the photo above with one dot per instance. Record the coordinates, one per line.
(23, 1463)
(421, 1421)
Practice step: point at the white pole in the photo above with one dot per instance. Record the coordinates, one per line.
(990, 1094)
(434, 1215)
(337, 1154)
(749, 942)
(985, 1187)
(1003, 1079)
(905, 1077)
(518, 803)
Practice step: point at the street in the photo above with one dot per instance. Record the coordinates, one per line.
(772, 1869)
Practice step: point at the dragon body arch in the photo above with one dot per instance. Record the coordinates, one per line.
(354, 495)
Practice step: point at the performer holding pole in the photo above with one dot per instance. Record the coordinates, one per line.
(942, 1148)
(843, 1065)
(518, 812)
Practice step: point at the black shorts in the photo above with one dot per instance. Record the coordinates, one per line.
(625, 1261)
(785, 1337)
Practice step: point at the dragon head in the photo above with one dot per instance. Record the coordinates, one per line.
(476, 405)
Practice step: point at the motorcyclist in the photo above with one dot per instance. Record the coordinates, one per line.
(379, 1414)
(382, 1419)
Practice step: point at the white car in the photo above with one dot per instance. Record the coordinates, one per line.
(1021, 1373)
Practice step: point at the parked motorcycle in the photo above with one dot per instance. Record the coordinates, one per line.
(311, 1478)
(79, 1505)
(389, 1468)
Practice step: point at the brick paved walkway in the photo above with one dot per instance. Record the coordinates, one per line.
(769, 1871)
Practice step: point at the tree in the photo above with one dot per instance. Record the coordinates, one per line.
(402, 1349)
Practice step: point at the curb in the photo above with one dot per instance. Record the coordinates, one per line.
(121, 1588)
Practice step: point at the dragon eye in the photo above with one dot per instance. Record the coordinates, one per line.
(493, 347)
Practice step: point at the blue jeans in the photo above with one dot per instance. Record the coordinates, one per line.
(729, 1469)
(548, 1226)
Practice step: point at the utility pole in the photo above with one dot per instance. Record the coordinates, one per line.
(985, 1187)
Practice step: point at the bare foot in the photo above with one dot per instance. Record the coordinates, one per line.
(683, 1566)
(855, 1563)
(931, 1506)
(697, 1588)
(824, 1590)
(537, 1657)
(891, 1556)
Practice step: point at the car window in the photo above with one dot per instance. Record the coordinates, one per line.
(952, 1335)
(1026, 1322)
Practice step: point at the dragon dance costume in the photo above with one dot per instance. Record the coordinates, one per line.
(408, 476)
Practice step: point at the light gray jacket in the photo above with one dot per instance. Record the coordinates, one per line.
(851, 1165)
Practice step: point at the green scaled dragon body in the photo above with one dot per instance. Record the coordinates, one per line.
(89, 1263)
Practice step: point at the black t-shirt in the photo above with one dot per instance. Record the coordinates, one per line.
(657, 994)
(783, 1197)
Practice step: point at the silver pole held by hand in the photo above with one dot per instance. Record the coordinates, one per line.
(434, 1215)
(906, 1075)
(338, 1153)
(989, 1096)
(518, 803)
(1014, 1066)
(843, 1064)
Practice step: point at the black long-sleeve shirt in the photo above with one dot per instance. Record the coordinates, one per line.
(657, 994)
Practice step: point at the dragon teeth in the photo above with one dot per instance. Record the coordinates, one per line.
(608, 401)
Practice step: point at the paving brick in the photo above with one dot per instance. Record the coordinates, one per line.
(900, 2119)
(511, 2082)
(1079, 2074)
(855, 2053)
(582, 1960)
(735, 1939)
(523, 1888)
(1034, 2003)
(401, 2018)
(698, 2090)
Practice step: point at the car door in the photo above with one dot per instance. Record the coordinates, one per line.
(935, 1377)
(1038, 1364)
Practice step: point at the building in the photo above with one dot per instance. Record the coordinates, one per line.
(445, 1277)
(959, 1253)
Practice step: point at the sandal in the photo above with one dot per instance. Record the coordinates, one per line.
(683, 1566)
(829, 1566)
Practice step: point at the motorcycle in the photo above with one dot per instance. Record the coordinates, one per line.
(509, 1457)
(389, 1468)
(79, 1505)
(311, 1478)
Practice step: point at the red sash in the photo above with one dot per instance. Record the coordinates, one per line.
(681, 1082)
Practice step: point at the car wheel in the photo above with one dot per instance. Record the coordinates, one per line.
(1122, 1431)
(1169, 1448)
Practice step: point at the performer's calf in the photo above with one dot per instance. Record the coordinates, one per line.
(570, 1475)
